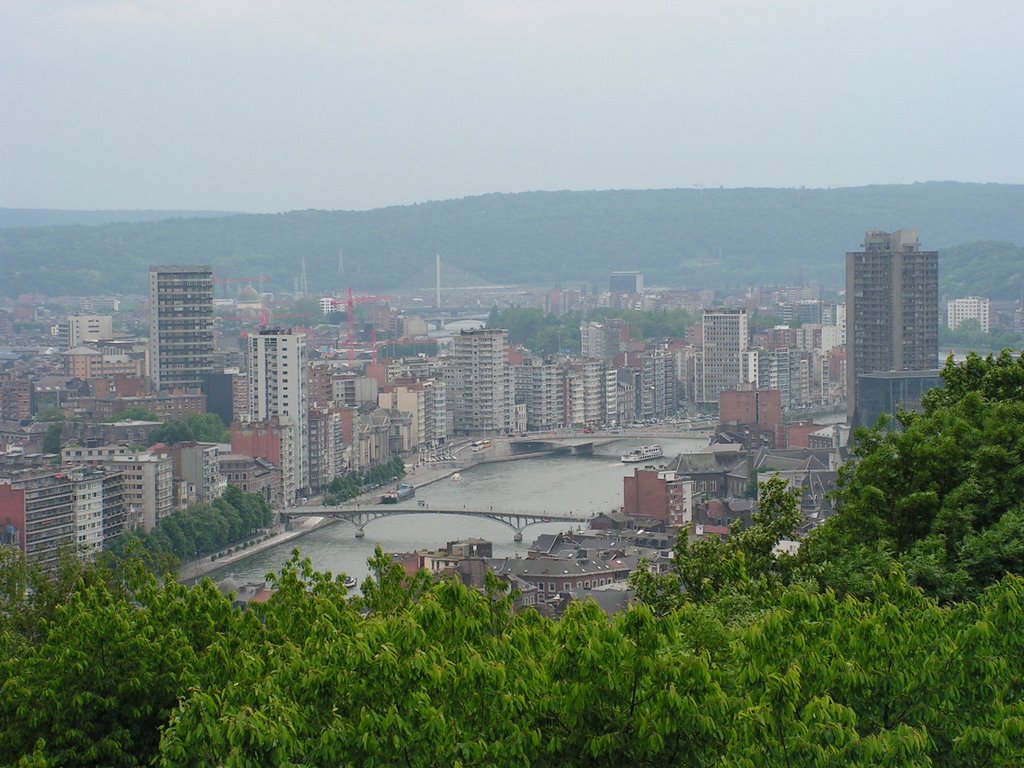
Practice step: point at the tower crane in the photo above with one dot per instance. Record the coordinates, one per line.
(351, 310)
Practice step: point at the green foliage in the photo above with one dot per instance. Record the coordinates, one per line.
(969, 335)
(50, 414)
(96, 672)
(983, 268)
(546, 334)
(942, 495)
(742, 571)
(201, 427)
(52, 438)
(345, 487)
(138, 413)
(198, 529)
(122, 669)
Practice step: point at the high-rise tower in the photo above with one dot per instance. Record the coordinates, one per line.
(892, 308)
(180, 325)
(723, 352)
(481, 389)
(277, 376)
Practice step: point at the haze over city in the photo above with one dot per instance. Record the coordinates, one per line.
(273, 106)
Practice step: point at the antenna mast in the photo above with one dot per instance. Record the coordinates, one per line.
(437, 280)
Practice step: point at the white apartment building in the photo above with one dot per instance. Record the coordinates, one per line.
(540, 387)
(726, 339)
(411, 400)
(479, 380)
(87, 506)
(277, 384)
(592, 340)
(148, 486)
(970, 308)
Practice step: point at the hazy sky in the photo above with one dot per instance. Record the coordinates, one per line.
(255, 105)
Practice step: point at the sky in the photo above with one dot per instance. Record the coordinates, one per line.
(275, 105)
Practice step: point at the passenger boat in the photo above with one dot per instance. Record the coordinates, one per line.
(643, 453)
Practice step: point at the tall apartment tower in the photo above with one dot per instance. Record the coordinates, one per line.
(726, 339)
(892, 308)
(277, 387)
(481, 390)
(180, 325)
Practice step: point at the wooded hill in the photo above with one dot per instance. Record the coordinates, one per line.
(693, 237)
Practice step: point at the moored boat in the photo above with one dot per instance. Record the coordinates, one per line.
(643, 453)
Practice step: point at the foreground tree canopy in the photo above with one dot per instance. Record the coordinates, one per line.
(859, 652)
(118, 669)
(943, 494)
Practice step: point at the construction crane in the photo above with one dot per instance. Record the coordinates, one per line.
(350, 342)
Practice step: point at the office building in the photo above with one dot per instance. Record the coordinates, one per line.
(723, 353)
(180, 326)
(277, 383)
(479, 383)
(892, 308)
(626, 282)
(79, 329)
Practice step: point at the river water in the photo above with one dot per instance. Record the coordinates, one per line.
(582, 485)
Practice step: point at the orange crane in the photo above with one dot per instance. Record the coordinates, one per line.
(351, 310)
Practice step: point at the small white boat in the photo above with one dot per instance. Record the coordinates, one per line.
(644, 453)
(456, 476)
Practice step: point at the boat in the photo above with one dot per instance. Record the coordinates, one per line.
(401, 493)
(456, 476)
(643, 453)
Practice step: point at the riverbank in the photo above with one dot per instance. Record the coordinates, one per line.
(194, 570)
(418, 476)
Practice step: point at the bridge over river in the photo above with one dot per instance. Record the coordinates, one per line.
(361, 515)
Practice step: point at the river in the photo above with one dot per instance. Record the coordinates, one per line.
(582, 485)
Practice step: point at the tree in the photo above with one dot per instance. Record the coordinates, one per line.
(203, 427)
(121, 668)
(933, 494)
(138, 413)
(743, 569)
(52, 438)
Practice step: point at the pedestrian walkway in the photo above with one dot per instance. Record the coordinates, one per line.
(193, 570)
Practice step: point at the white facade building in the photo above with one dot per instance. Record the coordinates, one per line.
(970, 308)
(277, 380)
(723, 354)
(82, 328)
(481, 392)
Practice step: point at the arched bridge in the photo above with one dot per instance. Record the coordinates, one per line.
(360, 516)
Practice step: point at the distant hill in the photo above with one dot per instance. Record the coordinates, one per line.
(46, 217)
(710, 237)
(991, 269)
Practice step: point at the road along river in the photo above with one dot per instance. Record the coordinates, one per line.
(579, 485)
